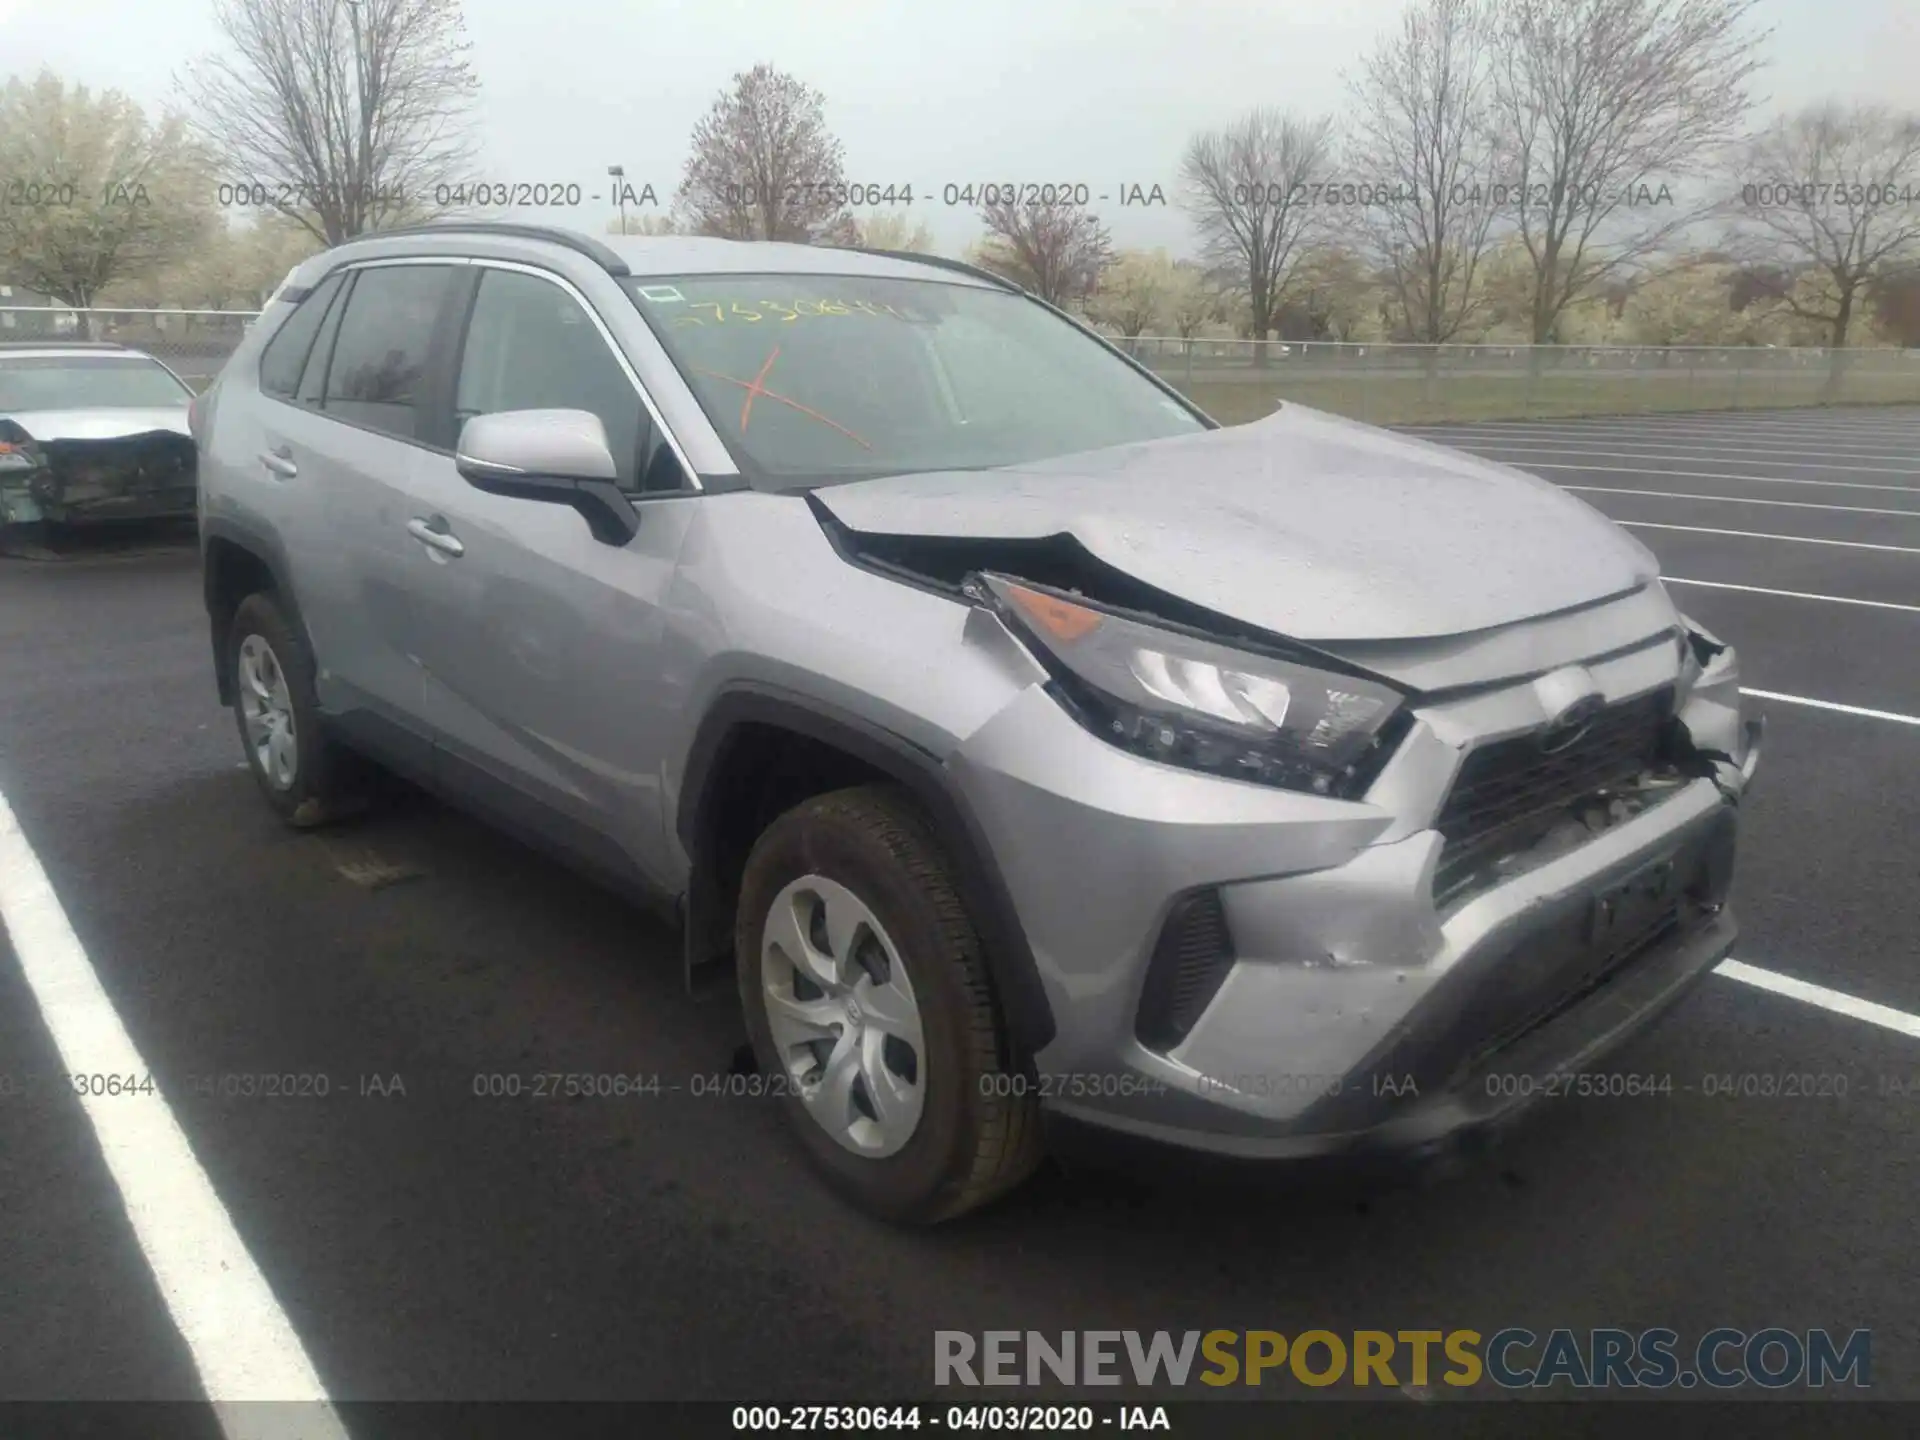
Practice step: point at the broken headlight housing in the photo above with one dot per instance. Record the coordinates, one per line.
(1186, 700)
(19, 456)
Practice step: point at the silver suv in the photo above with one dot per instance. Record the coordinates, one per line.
(1029, 747)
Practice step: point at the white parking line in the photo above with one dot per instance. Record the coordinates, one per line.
(1806, 416)
(1860, 710)
(1708, 454)
(240, 1340)
(1704, 475)
(1808, 993)
(1842, 440)
(1655, 450)
(1764, 535)
(1741, 500)
(1791, 594)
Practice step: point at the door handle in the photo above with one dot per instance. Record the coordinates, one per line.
(436, 536)
(280, 461)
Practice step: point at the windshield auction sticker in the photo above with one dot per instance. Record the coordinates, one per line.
(784, 312)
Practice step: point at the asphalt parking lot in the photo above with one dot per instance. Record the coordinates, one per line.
(422, 1242)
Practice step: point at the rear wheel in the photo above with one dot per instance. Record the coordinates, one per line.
(871, 1013)
(306, 777)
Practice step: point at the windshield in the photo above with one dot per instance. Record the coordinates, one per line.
(812, 379)
(87, 382)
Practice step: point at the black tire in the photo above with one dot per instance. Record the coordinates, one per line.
(974, 1142)
(328, 783)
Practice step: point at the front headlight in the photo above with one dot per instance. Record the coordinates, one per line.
(1189, 701)
(18, 455)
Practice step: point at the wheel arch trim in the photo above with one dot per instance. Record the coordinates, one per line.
(271, 555)
(1010, 960)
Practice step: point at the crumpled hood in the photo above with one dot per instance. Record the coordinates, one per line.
(1304, 524)
(49, 425)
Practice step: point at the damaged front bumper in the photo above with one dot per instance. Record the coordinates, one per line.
(1331, 1004)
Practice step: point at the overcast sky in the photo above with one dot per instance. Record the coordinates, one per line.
(926, 92)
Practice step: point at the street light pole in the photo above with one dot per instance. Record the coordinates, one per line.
(619, 174)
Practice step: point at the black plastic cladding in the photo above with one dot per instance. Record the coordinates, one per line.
(1190, 962)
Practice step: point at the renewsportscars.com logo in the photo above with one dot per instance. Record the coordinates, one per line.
(1513, 1358)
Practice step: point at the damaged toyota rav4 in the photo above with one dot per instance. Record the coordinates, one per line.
(1034, 755)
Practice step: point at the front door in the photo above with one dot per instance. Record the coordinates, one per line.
(539, 644)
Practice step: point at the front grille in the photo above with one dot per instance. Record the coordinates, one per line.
(1190, 960)
(1510, 793)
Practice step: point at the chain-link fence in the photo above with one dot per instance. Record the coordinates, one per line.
(193, 343)
(1237, 380)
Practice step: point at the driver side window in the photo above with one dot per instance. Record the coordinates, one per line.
(531, 346)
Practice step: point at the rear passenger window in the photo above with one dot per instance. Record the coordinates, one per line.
(380, 353)
(286, 352)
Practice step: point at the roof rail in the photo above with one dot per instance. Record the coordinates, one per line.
(601, 255)
(943, 263)
(55, 342)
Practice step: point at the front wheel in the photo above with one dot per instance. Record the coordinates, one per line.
(869, 1006)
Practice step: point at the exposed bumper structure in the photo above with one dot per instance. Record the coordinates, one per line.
(135, 477)
(1267, 974)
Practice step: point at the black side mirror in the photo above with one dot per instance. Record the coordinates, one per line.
(559, 456)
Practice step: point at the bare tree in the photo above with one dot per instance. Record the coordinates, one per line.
(97, 195)
(1602, 108)
(1250, 190)
(343, 115)
(1830, 195)
(1896, 304)
(1336, 295)
(1059, 252)
(764, 166)
(1423, 132)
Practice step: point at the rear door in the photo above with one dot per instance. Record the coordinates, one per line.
(365, 392)
(540, 644)
(263, 469)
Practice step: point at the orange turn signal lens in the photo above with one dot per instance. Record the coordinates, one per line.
(1061, 619)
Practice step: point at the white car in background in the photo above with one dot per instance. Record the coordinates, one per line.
(91, 431)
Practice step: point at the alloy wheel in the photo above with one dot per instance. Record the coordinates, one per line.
(266, 708)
